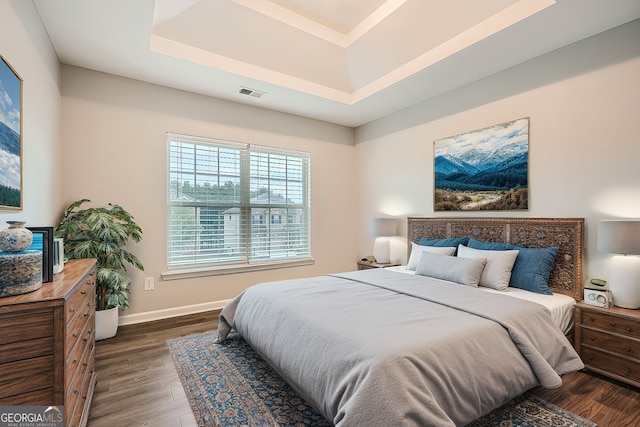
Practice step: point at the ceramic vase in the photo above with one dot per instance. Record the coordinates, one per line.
(16, 238)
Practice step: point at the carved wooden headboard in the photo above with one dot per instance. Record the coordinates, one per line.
(565, 233)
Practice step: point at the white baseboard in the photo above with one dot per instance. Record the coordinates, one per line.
(149, 316)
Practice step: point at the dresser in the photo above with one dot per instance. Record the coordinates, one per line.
(47, 344)
(608, 341)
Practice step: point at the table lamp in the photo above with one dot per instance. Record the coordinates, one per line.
(622, 237)
(382, 228)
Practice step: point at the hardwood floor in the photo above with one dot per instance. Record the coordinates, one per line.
(138, 384)
(137, 381)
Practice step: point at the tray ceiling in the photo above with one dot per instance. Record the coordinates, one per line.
(342, 61)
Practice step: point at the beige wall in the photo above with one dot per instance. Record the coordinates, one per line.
(583, 103)
(115, 151)
(26, 46)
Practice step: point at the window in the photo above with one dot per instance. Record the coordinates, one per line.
(233, 204)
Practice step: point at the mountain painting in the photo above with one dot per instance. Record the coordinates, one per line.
(485, 169)
(10, 129)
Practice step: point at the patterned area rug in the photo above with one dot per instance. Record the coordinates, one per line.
(228, 384)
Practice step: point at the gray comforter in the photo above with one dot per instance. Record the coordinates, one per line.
(382, 348)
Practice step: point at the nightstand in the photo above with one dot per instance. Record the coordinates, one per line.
(362, 265)
(608, 341)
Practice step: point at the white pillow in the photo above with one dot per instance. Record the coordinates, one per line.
(466, 271)
(497, 272)
(417, 250)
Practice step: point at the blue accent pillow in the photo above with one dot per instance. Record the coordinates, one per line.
(532, 268)
(452, 242)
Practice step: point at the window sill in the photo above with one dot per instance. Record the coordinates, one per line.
(188, 273)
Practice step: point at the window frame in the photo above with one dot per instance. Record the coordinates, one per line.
(247, 209)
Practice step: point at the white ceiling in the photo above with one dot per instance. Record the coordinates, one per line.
(342, 61)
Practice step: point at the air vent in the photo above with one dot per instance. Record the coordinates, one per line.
(251, 92)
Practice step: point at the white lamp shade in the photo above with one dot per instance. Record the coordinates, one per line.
(622, 237)
(383, 227)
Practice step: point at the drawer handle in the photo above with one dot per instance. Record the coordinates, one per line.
(75, 361)
(592, 338)
(85, 339)
(590, 357)
(87, 314)
(627, 370)
(83, 292)
(72, 310)
(628, 349)
(592, 319)
(628, 329)
(75, 334)
(613, 324)
(85, 364)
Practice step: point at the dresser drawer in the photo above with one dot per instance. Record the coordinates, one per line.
(80, 388)
(76, 358)
(35, 323)
(78, 324)
(627, 347)
(80, 303)
(25, 376)
(26, 349)
(610, 323)
(610, 363)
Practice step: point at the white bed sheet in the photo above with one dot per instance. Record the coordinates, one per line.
(560, 306)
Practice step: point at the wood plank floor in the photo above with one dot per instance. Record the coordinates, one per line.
(138, 384)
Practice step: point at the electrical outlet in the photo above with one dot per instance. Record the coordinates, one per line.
(148, 284)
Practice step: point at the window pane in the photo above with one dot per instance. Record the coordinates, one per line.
(235, 203)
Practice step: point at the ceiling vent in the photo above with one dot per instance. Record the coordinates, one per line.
(251, 92)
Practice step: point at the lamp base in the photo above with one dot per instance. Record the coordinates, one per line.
(624, 281)
(382, 250)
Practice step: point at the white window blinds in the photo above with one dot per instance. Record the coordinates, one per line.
(233, 203)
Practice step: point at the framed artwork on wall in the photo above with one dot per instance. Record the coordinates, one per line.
(485, 169)
(43, 241)
(10, 137)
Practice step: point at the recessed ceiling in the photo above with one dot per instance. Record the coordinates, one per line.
(342, 61)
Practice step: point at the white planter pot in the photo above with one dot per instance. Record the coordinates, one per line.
(106, 323)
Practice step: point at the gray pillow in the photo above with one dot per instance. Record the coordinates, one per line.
(417, 250)
(466, 271)
(497, 271)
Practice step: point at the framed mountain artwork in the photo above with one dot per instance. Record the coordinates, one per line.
(485, 169)
(10, 138)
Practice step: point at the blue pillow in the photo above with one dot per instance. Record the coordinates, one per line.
(452, 242)
(532, 268)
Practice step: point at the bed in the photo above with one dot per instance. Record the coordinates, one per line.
(382, 347)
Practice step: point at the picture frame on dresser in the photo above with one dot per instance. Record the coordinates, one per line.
(43, 241)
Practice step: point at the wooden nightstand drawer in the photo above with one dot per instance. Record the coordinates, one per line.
(615, 344)
(608, 341)
(610, 323)
(623, 367)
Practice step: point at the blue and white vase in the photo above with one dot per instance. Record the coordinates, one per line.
(16, 238)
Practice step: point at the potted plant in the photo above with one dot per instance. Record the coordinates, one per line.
(103, 233)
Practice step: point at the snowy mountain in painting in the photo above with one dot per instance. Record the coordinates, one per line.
(477, 170)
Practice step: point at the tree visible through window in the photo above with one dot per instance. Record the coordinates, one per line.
(233, 203)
